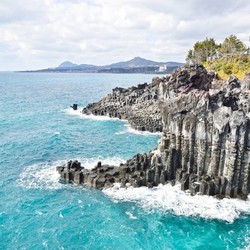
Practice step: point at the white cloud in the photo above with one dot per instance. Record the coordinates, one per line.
(43, 33)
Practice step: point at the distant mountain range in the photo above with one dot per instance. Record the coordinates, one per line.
(135, 65)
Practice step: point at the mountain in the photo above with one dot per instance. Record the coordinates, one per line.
(141, 65)
(141, 62)
(174, 64)
(135, 65)
(72, 66)
(67, 64)
(135, 62)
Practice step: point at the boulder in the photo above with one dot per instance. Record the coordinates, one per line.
(74, 106)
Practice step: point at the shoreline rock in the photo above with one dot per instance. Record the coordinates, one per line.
(138, 105)
(205, 143)
(74, 106)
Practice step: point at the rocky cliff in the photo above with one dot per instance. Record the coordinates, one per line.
(138, 105)
(205, 143)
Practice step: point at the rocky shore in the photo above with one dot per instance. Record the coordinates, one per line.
(138, 105)
(206, 135)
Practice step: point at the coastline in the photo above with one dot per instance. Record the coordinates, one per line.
(174, 161)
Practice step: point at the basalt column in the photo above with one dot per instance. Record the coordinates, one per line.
(206, 133)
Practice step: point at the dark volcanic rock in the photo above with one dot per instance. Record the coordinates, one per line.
(206, 133)
(206, 138)
(98, 177)
(138, 105)
(74, 106)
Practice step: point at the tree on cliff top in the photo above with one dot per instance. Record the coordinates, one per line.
(230, 57)
(208, 50)
(232, 46)
(202, 51)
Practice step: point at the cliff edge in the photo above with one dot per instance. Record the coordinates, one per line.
(138, 105)
(205, 143)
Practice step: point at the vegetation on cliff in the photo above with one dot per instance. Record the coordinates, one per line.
(230, 57)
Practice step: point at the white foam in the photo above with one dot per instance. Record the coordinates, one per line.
(163, 198)
(130, 215)
(247, 240)
(41, 175)
(79, 113)
(45, 176)
(166, 198)
(129, 129)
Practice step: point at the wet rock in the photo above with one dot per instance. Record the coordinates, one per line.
(74, 106)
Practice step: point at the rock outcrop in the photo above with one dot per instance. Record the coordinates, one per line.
(138, 105)
(74, 106)
(98, 177)
(205, 143)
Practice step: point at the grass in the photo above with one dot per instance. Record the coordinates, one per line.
(231, 65)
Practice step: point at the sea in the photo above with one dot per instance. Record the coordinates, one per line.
(39, 131)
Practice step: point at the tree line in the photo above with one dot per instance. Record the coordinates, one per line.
(209, 50)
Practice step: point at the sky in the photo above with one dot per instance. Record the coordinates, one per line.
(37, 34)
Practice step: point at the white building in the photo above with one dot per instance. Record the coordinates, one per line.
(162, 68)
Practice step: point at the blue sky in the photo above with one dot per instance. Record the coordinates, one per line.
(38, 34)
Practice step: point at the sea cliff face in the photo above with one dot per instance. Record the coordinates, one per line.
(138, 105)
(206, 141)
(206, 135)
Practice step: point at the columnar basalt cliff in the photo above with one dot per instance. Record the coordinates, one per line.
(138, 105)
(205, 143)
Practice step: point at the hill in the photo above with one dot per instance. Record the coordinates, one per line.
(135, 65)
(141, 62)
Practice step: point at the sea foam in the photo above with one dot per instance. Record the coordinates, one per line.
(162, 199)
(168, 198)
(127, 127)
(41, 176)
(79, 113)
(45, 176)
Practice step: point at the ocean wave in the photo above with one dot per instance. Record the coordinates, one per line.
(247, 240)
(168, 198)
(45, 176)
(129, 129)
(41, 176)
(79, 113)
(164, 198)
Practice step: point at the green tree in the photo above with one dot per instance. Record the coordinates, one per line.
(230, 57)
(190, 56)
(232, 46)
(202, 51)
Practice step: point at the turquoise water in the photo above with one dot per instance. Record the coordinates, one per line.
(39, 131)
